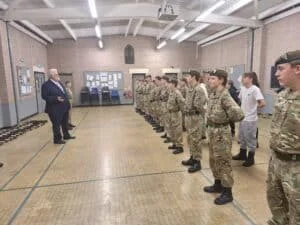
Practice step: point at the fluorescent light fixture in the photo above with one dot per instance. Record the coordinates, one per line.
(49, 4)
(93, 8)
(182, 20)
(178, 33)
(100, 44)
(210, 10)
(98, 32)
(162, 44)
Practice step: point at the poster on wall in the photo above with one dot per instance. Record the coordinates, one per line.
(24, 80)
(100, 79)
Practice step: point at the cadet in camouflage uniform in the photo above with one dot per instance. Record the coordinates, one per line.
(194, 117)
(221, 110)
(146, 92)
(164, 95)
(137, 97)
(283, 184)
(175, 106)
(154, 99)
(183, 89)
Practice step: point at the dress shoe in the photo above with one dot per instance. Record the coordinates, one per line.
(60, 142)
(70, 137)
(1, 164)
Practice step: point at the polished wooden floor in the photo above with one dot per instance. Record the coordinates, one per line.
(119, 172)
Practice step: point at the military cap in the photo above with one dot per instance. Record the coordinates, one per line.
(218, 73)
(288, 57)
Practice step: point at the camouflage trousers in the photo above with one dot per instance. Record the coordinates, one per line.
(193, 124)
(175, 128)
(283, 191)
(165, 117)
(220, 143)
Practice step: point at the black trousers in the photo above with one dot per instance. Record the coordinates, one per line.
(60, 122)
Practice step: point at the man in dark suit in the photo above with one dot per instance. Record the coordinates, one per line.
(57, 106)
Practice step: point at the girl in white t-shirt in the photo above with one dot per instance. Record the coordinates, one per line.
(251, 99)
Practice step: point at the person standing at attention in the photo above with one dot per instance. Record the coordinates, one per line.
(251, 99)
(57, 106)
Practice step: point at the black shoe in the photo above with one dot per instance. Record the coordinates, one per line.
(1, 164)
(188, 162)
(178, 150)
(241, 156)
(172, 146)
(215, 188)
(203, 137)
(161, 130)
(164, 136)
(167, 140)
(70, 137)
(195, 167)
(225, 197)
(60, 142)
(250, 160)
(71, 125)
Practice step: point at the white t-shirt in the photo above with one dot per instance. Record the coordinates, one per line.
(249, 97)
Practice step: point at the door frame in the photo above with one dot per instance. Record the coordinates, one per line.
(36, 75)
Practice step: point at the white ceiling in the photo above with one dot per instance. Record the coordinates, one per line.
(114, 16)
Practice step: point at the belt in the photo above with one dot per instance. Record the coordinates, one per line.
(216, 125)
(192, 113)
(287, 157)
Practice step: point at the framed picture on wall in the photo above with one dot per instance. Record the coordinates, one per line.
(24, 80)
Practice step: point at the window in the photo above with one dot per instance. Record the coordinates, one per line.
(129, 54)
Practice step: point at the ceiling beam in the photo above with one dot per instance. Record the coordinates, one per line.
(231, 20)
(128, 27)
(138, 26)
(262, 15)
(51, 5)
(14, 3)
(168, 27)
(37, 30)
(227, 11)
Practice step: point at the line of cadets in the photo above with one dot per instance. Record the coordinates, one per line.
(172, 107)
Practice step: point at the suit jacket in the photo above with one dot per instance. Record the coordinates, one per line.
(50, 92)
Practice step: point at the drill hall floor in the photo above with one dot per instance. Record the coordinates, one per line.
(118, 171)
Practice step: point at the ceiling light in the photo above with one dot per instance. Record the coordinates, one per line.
(179, 32)
(162, 44)
(98, 32)
(182, 20)
(93, 8)
(100, 44)
(210, 10)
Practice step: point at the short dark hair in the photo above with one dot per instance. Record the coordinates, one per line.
(221, 74)
(184, 80)
(158, 78)
(174, 81)
(195, 74)
(148, 76)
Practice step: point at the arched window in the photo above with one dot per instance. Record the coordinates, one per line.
(129, 54)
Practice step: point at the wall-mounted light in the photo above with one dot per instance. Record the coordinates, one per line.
(210, 10)
(100, 44)
(178, 33)
(93, 9)
(162, 44)
(98, 31)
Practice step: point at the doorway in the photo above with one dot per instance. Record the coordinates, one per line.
(39, 80)
(135, 77)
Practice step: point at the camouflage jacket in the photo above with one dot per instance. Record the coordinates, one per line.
(285, 128)
(183, 90)
(164, 94)
(195, 100)
(222, 108)
(175, 101)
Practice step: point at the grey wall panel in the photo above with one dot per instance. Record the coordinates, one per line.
(28, 107)
(8, 116)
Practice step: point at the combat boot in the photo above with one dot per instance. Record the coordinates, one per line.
(250, 159)
(225, 197)
(215, 188)
(168, 140)
(195, 167)
(173, 146)
(241, 156)
(188, 162)
(160, 130)
(164, 136)
(178, 150)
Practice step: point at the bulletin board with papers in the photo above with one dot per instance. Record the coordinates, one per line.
(99, 79)
(24, 80)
